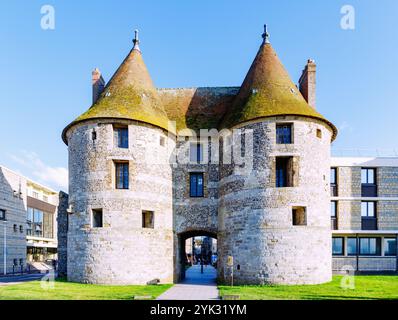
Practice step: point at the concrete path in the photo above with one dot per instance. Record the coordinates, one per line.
(10, 279)
(196, 286)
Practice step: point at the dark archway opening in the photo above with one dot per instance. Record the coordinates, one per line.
(198, 256)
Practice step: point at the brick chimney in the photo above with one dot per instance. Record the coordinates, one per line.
(98, 84)
(307, 83)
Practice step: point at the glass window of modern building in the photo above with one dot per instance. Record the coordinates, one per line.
(390, 246)
(338, 246)
(369, 246)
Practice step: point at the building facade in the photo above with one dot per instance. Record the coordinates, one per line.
(142, 180)
(364, 214)
(28, 218)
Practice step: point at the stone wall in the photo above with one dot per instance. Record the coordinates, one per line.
(122, 251)
(13, 200)
(62, 223)
(255, 217)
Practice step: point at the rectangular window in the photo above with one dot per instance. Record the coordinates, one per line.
(35, 195)
(121, 136)
(369, 246)
(148, 219)
(284, 172)
(284, 133)
(299, 216)
(333, 182)
(352, 249)
(333, 214)
(390, 246)
(122, 175)
(368, 180)
(368, 214)
(48, 225)
(196, 152)
(368, 176)
(29, 222)
(45, 198)
(368, 209)
(37, 223)
(2, 214)
(338, 246)
(97, 220)
(196, 184)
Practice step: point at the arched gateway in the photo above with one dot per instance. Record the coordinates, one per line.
(131, 207)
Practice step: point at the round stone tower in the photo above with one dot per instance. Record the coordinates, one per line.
(274, 211)
(120, 184)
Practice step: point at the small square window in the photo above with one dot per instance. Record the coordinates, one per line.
(162, 141)
(319, 133)
(2, 214)
(284, 133)
(299, 216)
(148, 219)
(97, 221)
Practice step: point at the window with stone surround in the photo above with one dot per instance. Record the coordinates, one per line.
(121, 136)
(284, 133)
(122, 175)
(196, 152)
(148, 219)
(196, 184)
(97, 218)
(299, 216)
(284, 172)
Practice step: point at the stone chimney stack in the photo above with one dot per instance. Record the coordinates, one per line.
(98, 84)
(307, 83)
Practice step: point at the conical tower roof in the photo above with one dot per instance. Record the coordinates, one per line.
(129, 94)
(267, 91)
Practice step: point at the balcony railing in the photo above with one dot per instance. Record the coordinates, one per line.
(369, 190)
(369, 223)
(333, 223)
(333, 190)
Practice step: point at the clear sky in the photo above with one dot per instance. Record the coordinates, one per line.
(45, 75)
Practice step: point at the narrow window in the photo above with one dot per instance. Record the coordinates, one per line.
(284, 133)
(2, 214)
(338, 246)
(333, 182)
(196, 152)
(299, 216)
(196, 184)
(15, 228)
(45, 198)
(333, 214)
(21, 262)
(121, 136)
(352, 247)
(148, 219)
(97, 218)
(94, 135)
(390, 246)
(15, 262)
(284, 172)
(21, 229)
(122, 175)
(29, 222)
(369, 246)
(319, 133)
(162, 141)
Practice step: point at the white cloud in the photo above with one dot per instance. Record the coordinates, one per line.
(57, 177)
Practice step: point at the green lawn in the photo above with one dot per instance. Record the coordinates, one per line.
(366, 287)
(75, 291)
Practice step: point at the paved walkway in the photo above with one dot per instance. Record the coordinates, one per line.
(196, 286)
(14, 279)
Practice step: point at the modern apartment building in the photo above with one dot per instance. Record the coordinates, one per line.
(364, 214)
(28, 227)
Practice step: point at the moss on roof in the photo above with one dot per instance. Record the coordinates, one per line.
(130, 94)
(268, 91)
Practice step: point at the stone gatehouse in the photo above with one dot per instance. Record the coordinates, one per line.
(143, 177)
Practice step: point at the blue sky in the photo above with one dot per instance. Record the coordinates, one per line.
(46, 74)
